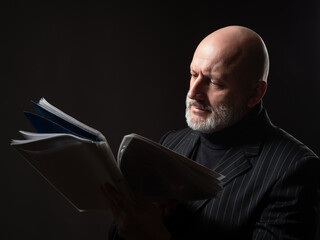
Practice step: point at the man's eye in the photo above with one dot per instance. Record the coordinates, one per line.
(194, 75)
(216, 84)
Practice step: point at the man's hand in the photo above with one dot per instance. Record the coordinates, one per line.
(141, 221)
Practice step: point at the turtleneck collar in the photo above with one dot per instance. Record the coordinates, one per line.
(227, 136)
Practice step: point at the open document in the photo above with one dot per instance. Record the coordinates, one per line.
(77, 160)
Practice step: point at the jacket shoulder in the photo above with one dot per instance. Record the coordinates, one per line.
(292, 144)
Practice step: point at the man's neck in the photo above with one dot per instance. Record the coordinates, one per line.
(228, 135)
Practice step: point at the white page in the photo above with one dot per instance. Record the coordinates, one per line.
(46, 105)
(75, 168)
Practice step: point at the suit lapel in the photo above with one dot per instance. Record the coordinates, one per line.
(237, 159)
(232, 165)
(187, 145)
(235, 163)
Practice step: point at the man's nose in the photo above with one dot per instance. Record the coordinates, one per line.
(197, 89)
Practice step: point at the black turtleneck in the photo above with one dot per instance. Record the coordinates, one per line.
(214, 146)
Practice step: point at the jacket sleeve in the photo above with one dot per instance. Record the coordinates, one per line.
(292, 208)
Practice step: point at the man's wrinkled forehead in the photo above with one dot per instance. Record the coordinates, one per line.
(215, 62)
(207, 68)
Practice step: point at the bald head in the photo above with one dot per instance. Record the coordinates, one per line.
(240, 49)
(229, 72)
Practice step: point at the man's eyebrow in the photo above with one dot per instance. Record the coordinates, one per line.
(192, 69)
(216, 77)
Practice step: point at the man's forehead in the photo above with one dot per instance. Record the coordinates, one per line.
(206, 67)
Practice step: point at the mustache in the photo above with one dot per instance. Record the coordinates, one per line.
(193, 102)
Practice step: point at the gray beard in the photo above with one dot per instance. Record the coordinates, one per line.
(221, 117)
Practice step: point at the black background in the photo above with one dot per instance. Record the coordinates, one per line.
(124, 67)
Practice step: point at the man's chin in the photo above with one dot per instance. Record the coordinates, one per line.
(201, 124)
(198, 118)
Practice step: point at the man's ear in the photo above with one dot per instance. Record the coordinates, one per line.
(258, 93)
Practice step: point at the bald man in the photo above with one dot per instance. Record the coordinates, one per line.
(271, 186)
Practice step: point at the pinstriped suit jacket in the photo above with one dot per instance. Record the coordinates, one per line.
(271, 188)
